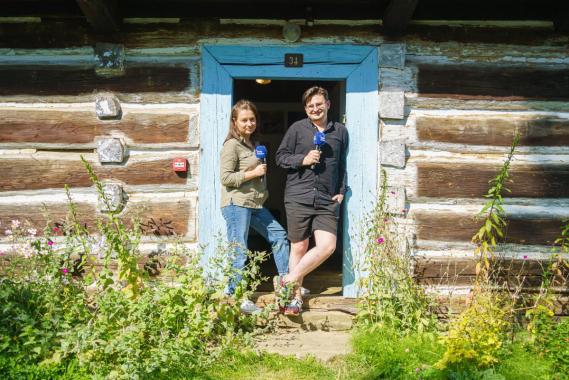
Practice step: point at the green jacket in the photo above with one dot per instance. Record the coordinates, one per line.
(236, 158)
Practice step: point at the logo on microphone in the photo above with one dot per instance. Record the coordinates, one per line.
(319, 139)
(261, 152)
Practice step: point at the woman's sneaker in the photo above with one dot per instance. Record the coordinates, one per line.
(248, 307)
(294, 308)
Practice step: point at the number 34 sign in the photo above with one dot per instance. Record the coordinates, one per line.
(293, 60)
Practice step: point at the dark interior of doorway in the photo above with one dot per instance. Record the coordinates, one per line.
(280, 104)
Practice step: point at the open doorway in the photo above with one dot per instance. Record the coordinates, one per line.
(279, 104)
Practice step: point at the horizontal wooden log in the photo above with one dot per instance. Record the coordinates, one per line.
(81, 127)
(442, 226)
(493, 130)
(492, 82)
(452, 271)
(72, 33)
(34, 173)
(455, 303)
(72, 80)
(471, 180)
(412, 101)
(158, 218)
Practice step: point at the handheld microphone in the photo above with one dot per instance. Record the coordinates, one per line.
(261, 154)
(319, 139)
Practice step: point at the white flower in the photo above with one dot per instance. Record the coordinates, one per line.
(15, 223)
(32, 232)
(8, 232)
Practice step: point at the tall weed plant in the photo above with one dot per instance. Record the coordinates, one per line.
(391, 297)
(479, 334)
(58, 312)
(549, 337)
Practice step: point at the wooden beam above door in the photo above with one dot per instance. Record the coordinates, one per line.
(397, 15)
(102, 15)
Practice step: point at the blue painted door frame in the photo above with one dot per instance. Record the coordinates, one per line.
(357, 65)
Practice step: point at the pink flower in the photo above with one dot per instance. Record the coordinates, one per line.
(64, 270)
(55, 229)
(8, 232)
(417, 369)
(2, 253)
(380, 240)
(15, 223)
(50, 243)
(32, 232)
(525, 257)
(393, 192)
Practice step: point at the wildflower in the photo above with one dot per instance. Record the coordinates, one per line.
(2, 253)
(406, 350)
(55, 229)
(380, 240)
(417, 369)
(15, 223)
(8, 232)
(32, 232)
(525, 257)
(64, 270)
(50, 242)
(393, 192)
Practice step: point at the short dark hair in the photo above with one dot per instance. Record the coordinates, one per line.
(316, 90)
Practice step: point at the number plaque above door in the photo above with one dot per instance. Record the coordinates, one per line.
(294, 60)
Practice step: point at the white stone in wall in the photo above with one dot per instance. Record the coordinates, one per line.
(392, 55)
(391, 104)
(110, 150)
(392, 153)
(395, 200)
(194, 131)
(107, 106)
(114, 198)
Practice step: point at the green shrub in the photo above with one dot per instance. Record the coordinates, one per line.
(390, 295)
(55, 319)
(478, 335)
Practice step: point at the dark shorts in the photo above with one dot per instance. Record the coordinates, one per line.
(303, 219)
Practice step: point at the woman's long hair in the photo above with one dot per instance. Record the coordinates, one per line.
(233, 132)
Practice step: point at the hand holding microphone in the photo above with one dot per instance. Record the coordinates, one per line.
(319, 139)
(261, 154)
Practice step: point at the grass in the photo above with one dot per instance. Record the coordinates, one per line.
(378, 353)
(383, 354)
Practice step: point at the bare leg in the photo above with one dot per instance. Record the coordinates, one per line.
(325, 246)
(297, 252)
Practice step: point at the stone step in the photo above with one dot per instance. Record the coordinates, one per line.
(320, 312)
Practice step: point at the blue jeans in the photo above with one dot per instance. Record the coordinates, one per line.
(238, 220)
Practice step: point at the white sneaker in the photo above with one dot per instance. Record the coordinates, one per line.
(248, 307)
(304, 291)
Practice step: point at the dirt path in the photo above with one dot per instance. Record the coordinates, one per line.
(323, 345)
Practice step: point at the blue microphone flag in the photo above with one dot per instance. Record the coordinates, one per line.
(261, 152)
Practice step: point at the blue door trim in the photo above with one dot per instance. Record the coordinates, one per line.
(357, 65)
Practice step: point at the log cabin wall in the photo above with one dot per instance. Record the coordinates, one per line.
(451, 101)
(464, 99)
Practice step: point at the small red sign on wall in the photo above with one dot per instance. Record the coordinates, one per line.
(180, 165)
